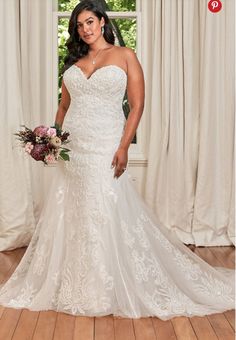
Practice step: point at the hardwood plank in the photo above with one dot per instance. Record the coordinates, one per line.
(202, 328)
(9, 322)
(230, 316)
(26, 325)
(183, 328)
(84, 328)
(227, 254)
(208, 256)
(221, 326)
(164, 329)
(124, 329)
(6, 260)
(225, 261)
(64, 328)
(104, 328)
(1, 311)
(144, 329)
(15, 257)
(45, 326)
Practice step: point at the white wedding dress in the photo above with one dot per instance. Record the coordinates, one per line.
(98, 249)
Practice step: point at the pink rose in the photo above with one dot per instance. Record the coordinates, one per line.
(41, 131)
(51, 132)
(50, 159)
(28, 147)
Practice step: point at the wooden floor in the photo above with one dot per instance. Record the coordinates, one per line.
(25, 325)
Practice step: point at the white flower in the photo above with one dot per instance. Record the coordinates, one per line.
(55, 141)
(38, 139)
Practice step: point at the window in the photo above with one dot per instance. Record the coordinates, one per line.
(125, 16)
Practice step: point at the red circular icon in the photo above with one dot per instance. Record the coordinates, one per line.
(214, 5)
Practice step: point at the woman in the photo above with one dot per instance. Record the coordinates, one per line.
(91, 47)
(98, 249)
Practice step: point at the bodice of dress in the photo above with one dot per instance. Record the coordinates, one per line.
(95, 116)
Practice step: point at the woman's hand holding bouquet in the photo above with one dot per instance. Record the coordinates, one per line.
(45, 143)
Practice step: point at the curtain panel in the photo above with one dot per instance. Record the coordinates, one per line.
(26, 98)
(189, 66)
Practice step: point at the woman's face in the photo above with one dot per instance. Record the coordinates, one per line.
(89, 26)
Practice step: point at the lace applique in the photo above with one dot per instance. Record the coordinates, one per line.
(211, 286)
(106, 278)
(127, 237)
(139, 230)
(109, 190)
(145, 266)
(78, 294)
(166, 297)
(42, 253)
(169, 301)
(25, 297)
(190, 269)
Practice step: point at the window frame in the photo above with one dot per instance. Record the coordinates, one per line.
(137, 155)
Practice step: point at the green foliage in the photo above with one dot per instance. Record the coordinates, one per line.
(113, 5)
(121, 5)
(66, 5)
(63, 35)
(63, 154)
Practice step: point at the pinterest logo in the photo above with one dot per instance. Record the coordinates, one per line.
(214, 5)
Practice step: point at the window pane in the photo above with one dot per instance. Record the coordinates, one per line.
(63, 35)
(108, 5)
(125, 32)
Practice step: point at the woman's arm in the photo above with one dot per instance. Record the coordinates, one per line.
(63, 106)
(135, 91)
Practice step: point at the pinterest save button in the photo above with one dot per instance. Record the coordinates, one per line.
(214, 5)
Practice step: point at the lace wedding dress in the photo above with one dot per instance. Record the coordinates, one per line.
(97, 248)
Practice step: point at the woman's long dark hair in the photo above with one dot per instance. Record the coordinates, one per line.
(77, 48)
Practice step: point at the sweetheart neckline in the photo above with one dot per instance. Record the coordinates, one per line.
(100, 68)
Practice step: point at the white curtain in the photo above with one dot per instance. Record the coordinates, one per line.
(26, 98)
(37, 81)
(189, 67)
(16, 208)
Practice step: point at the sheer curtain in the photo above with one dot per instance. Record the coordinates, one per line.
(189, 65)
(26, 98)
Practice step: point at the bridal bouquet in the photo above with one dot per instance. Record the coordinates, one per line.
(45, 143)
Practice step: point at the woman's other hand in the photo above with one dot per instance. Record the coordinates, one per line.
(120, 161)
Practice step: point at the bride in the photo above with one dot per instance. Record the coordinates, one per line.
(98, 249)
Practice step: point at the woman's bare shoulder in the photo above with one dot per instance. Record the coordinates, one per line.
(124, 51)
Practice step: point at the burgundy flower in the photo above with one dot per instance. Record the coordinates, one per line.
(39, 151)
(64, 136)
